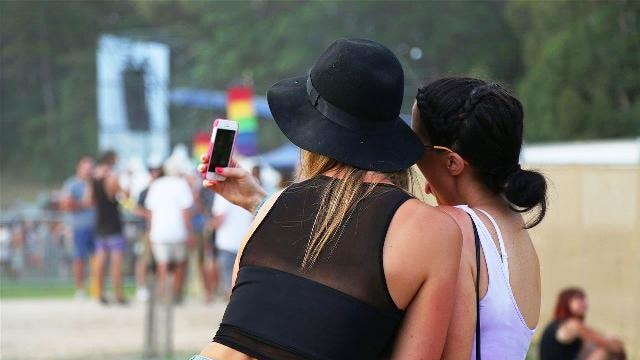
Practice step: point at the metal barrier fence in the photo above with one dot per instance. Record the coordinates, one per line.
(36, 247)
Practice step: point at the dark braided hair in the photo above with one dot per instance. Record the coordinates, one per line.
(483, 123)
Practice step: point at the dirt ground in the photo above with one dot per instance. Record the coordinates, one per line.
(71, 329)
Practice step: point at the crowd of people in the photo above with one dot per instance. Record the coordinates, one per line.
(179, 218)
(31, 248)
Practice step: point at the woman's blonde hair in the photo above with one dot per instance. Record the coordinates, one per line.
(339, 199)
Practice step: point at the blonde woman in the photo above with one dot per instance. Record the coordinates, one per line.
(344, 264)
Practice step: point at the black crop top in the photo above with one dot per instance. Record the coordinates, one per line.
(340, 308)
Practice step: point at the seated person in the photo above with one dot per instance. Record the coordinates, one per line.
(567, 337)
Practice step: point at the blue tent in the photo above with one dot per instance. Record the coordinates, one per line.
(217, 100)
(212, 99)
(286, 156)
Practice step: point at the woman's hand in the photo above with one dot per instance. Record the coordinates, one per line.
(240, 188)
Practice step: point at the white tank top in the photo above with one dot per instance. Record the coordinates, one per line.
(504, 334)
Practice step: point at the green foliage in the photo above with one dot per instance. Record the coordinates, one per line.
(47, 80)
(583, 68)
(452, 36)
(575, 64)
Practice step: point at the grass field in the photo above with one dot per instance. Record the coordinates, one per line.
(10, 289)
(17, 291)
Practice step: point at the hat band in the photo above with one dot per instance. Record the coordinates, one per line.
(340, 117)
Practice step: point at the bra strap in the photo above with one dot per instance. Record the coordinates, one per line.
(503, 249)
(477, 242)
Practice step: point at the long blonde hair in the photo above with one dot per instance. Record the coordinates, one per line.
(339, 199)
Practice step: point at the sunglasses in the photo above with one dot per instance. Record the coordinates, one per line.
(437, 147)
(443, 148)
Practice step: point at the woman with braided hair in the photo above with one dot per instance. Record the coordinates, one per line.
(472, 133)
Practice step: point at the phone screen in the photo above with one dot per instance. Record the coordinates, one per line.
(222, 146)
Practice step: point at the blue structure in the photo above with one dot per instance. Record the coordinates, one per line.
(213, 100)
(286, 156)
(217, 100)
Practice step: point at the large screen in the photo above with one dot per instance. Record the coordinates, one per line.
(222, 147)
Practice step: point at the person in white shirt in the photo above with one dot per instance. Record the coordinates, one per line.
(231, 223)
(168, 201)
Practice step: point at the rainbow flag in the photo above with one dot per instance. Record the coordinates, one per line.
(240, 108)
(201, 141)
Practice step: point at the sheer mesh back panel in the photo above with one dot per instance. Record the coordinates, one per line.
(350, 263)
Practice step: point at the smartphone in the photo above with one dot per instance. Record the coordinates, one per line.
(223, 138)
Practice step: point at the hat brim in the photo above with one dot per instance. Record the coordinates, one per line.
(390, 149)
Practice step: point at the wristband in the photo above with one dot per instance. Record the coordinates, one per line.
(264, 200)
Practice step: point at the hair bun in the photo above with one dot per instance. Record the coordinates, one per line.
(527, 189)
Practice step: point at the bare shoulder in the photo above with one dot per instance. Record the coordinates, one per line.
(569, 330)
(426, 227)
(112, 179)
(464, 222)
(572, 324)
(112, 183)
(422, 242)
(416, 211)
(459, 215)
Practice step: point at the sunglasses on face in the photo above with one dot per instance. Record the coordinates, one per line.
(441, 148)
(437, 147)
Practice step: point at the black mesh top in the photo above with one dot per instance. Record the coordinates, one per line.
(340, 308)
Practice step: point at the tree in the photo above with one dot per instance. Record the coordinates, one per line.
(565, 59)
(582, 77)
(47, 80)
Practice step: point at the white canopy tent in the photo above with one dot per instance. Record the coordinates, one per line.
(610, 152)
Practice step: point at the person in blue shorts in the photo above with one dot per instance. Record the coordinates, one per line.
(76, 201)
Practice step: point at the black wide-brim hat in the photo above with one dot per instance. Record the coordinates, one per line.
(347, 108)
